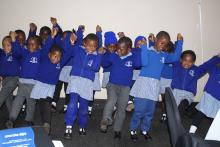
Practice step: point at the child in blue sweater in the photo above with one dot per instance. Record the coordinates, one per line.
(122, 64)
(209, 104)
(146, 88)
(9, 72)
(51, 64)
(96, 83)
(185, 77)
(30, 61)
(86, 61)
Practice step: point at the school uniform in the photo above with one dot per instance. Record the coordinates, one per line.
(110, 38)
(80, 87)
(184, 83)
(119, 86)
(146, 88)
(9, 71)
(29, 68)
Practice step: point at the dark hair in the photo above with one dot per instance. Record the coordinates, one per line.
(6, 37)
(56, 48)
(170, 47)
(163, 34)
(93, 37)
(45, 28)
(125, 40)
(36, 38)
(20, 32)
(189, 52)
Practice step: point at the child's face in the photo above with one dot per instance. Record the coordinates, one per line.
(187, 61)
(123, 49)
(90, 45)
(140, 43)
(44, 35)
(55, 57)
(112, 48)
(7, 45)
(32, 45)
(161, 44)
(21, 39)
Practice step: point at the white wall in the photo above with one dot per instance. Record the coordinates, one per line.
(134, 17)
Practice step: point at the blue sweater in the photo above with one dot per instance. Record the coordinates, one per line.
(213, 84)
(153, 61)
(30, 62)
(84, 64)
(186, 79)
(121, 67)
(9, 65)
(49, 72)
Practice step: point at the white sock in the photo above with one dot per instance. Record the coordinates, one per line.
(54, 104)
(89, 108)
(115, 108)
(192, 129)
(69, 127)
(130, 102)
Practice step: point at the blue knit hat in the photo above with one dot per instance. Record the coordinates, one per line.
(138, 39)
(110, 38)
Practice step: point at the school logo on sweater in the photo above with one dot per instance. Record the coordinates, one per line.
(162, 60)
(10, 59)
(58, 66)
(90, 63)
(128, 63)
(192, 73)
(34, 60)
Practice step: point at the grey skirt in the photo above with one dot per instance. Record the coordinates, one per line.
(208, 105)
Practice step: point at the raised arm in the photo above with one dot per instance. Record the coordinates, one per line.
(144, 55)
(174, 57)
(99, 34)
(205, 67)
(58, 37)
(151, 40)
(32, 31)
(79, 35)
(17, 50)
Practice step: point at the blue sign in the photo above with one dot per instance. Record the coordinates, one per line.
(19, 137)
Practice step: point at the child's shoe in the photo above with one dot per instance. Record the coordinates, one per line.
(68, 133)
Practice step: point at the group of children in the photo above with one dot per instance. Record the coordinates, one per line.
(134, 77)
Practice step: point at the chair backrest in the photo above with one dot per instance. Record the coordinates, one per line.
(175, 126)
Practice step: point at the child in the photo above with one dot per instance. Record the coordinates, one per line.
(9, 72)
(185, 77)
(96, 83)
(65, 72)
(51, 64)
(110, 44)
(30, 61)
(165, 81)
(209, 104)
(86, 61)
(139, 41)
(122, 64)
(146, 87)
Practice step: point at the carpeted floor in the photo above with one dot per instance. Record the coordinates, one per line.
(94, 138)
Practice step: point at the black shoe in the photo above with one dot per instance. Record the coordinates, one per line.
(82, 132)
(28, 123)
(146, 135)
(117, 135)
(9, 124)
(53, 108)
(134, 136)
(68, 133)
(163, 118)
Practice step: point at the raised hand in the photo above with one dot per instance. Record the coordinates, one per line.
(82, 27)
(73, 38)
(179, 36)
(151, 37)
(13, 35)
(121, 34)
(98, 28)
(33, 27)
(53, 21)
